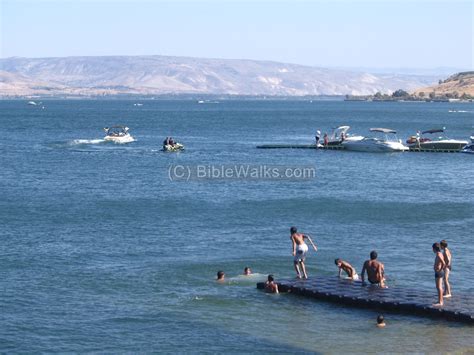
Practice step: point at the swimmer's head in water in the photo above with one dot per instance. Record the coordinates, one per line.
(293, 230)
(270, 278)
(373, 255)
(220, 275)
(380, 319)
(247, 271)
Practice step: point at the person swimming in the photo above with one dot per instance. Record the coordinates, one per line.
(380, 321)
(247, 271)
(220, 276)
(270, 285)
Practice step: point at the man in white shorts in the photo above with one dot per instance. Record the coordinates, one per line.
(299, 251)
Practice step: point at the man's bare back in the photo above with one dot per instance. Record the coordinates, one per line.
(298, 238)
(375, 270)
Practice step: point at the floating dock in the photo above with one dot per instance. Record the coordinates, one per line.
(341, 147)
(393, 299)
(434, 150)
(300, 146)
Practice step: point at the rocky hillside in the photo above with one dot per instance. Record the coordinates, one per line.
(154, 75)
(456, 85)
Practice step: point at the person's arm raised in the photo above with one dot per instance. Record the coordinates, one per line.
(311, 241)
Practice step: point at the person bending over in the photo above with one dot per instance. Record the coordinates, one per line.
(348, 268)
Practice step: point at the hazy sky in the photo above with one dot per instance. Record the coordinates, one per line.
(323, 33)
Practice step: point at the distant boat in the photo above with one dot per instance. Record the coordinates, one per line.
(201, 101)
(470, 147)
(118, 134)
(339, 135)
(434, 141)
(32, 103)
(386, 142)
(137, 104)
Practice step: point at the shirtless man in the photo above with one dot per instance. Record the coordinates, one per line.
(448, 260)
(375, 270)
(270, 285)
(299, 251)
(439, 267)
(348, 268)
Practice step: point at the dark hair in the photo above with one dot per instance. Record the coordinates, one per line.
(373, 255)
(436, 247)
(380, 319)
(270, 278)
(443, 243)
(293, 230)
(246, 268)
(337, 261)
(220, 274)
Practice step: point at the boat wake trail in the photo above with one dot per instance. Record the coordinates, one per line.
(86, 141)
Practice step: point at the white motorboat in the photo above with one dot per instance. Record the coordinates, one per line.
(435, 141)
(470, 147)
(339, 135)
(118, 134)
(386, 140)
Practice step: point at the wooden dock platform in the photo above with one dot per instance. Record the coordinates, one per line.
(393, 299)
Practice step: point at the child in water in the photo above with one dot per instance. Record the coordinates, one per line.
(380, 321)
(270, 285)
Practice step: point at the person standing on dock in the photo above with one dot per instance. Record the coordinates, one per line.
(447, 259)
(299, 251)
(375, 270)
(318, 137)
(326, 139)
(439, 270)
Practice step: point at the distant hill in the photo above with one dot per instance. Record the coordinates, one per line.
(456, 85)
(155, 75)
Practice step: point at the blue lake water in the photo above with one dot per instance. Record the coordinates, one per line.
(100, 251)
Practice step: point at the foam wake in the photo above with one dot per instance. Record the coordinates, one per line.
(87, 141)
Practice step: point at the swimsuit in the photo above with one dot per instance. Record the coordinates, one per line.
(301, 251)
(439, 274)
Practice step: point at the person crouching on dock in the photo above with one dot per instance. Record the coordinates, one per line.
(299, 251)
(348, 268)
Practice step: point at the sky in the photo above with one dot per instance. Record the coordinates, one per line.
(340, 33)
